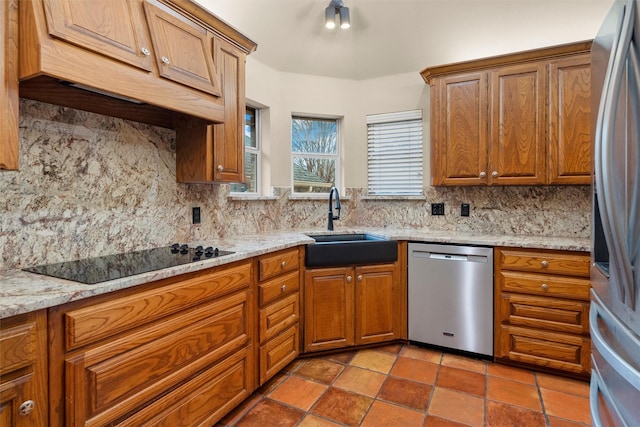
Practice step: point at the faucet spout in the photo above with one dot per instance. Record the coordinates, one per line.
(332, 217)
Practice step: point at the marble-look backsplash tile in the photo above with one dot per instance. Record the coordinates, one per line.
(92, 185)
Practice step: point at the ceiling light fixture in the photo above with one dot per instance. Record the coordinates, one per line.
(337, 9)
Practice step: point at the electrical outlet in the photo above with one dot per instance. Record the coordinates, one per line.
(464, 209)
(195, 215)
(437, 208)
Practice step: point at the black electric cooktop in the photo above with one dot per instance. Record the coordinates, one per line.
(110, 267)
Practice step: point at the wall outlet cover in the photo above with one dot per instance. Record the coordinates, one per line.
(195, 215)
(437, 208)
(464, 209)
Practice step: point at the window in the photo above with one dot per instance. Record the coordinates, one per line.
(251, 153)
(314, 153)
(395, 153)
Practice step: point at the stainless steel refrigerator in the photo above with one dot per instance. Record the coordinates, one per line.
(615, 296)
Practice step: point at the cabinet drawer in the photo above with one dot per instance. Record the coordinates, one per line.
(551, 314)
(117, 377)
(564, 263)
(278, 287)
(279, 316)
(93, 323)
(540, 284)
(17, 347)
(278, 352)
(203, 400)
(565, 352)
(278, 263)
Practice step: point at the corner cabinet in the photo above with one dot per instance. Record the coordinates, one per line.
(518, 119)
(178, 351)
(542, 309)
(23, 370)
(356, 305)
(9, 142)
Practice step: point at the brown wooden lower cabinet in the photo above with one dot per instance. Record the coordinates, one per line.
(348, 306)
(177, 352)
(542, 309)
(23, 370)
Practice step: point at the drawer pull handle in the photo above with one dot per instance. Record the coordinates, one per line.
(283, 264)
(349, 279)
(360, 278)
(284, 288)
(220, 168)
(165, 60)
(145, 51)
(545, 287)
(483, 174)
(27, 407)
(494, 174)
(545, 264)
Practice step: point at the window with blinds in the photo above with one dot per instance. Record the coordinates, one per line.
(395, 153)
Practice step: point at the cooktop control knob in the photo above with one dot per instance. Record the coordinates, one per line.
(184, 249)
(199, 250)
(174, 248)
(208, 251)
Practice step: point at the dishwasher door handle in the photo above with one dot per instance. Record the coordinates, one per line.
(449, 257)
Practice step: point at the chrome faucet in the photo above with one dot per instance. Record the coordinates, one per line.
(333, 217)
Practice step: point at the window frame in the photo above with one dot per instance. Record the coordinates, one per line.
(335, 157)
(414, 153)
(257, 150)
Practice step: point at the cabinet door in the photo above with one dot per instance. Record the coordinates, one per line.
(184, 50)
(9, 142)
(329, 305)
(570, 121)
(517, 151)
(459, 134)
(112, 28)
(228, 137)
(23, 370)
(376, 294)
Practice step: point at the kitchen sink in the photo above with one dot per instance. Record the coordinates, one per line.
(334, 250)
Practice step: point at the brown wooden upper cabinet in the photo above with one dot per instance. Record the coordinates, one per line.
(9, 85)
(518, 119)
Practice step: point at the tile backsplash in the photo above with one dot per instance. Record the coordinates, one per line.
(92, 185)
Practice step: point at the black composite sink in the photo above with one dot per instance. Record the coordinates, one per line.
(334, 250)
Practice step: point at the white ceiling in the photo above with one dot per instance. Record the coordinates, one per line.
(399, 36)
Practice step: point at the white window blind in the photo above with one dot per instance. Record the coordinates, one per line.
(395, 153)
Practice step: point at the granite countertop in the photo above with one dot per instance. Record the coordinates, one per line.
(22, 292)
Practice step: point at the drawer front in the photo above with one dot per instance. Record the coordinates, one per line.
(278, 352)
(550, 314)
(564, 352)
(279, 316)
(17, 347)
(278, 287)
(281, 262)
(564, 263)
(117, 377)
(93, 323)
(547, 285)
(203, 400)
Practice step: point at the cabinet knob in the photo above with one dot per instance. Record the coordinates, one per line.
(165, 60)
(284, 288)
(483, 174)
(494, 174)
(545, 287)
(220, 168)
(359, 278)
(27, 407)
(283, 264)
(145, 51)
(349, 279)
(545, 264)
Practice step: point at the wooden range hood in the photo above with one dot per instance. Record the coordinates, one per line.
(152, 61)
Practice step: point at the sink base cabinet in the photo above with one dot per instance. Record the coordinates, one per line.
(23, 370)
(542, 309)
(177, 352)
(349, 306)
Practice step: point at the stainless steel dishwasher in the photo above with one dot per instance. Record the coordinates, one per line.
(451, 296)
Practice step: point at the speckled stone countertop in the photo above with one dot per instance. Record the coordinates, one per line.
(22, 292)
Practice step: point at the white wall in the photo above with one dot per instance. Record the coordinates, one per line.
(285, 94)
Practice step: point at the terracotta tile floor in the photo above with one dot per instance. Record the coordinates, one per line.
(404, 385)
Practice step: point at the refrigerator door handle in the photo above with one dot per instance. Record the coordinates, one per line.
(614, 230)
(633, 238)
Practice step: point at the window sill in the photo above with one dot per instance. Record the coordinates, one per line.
(250, 197)
(303, 197)
(394, 197)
